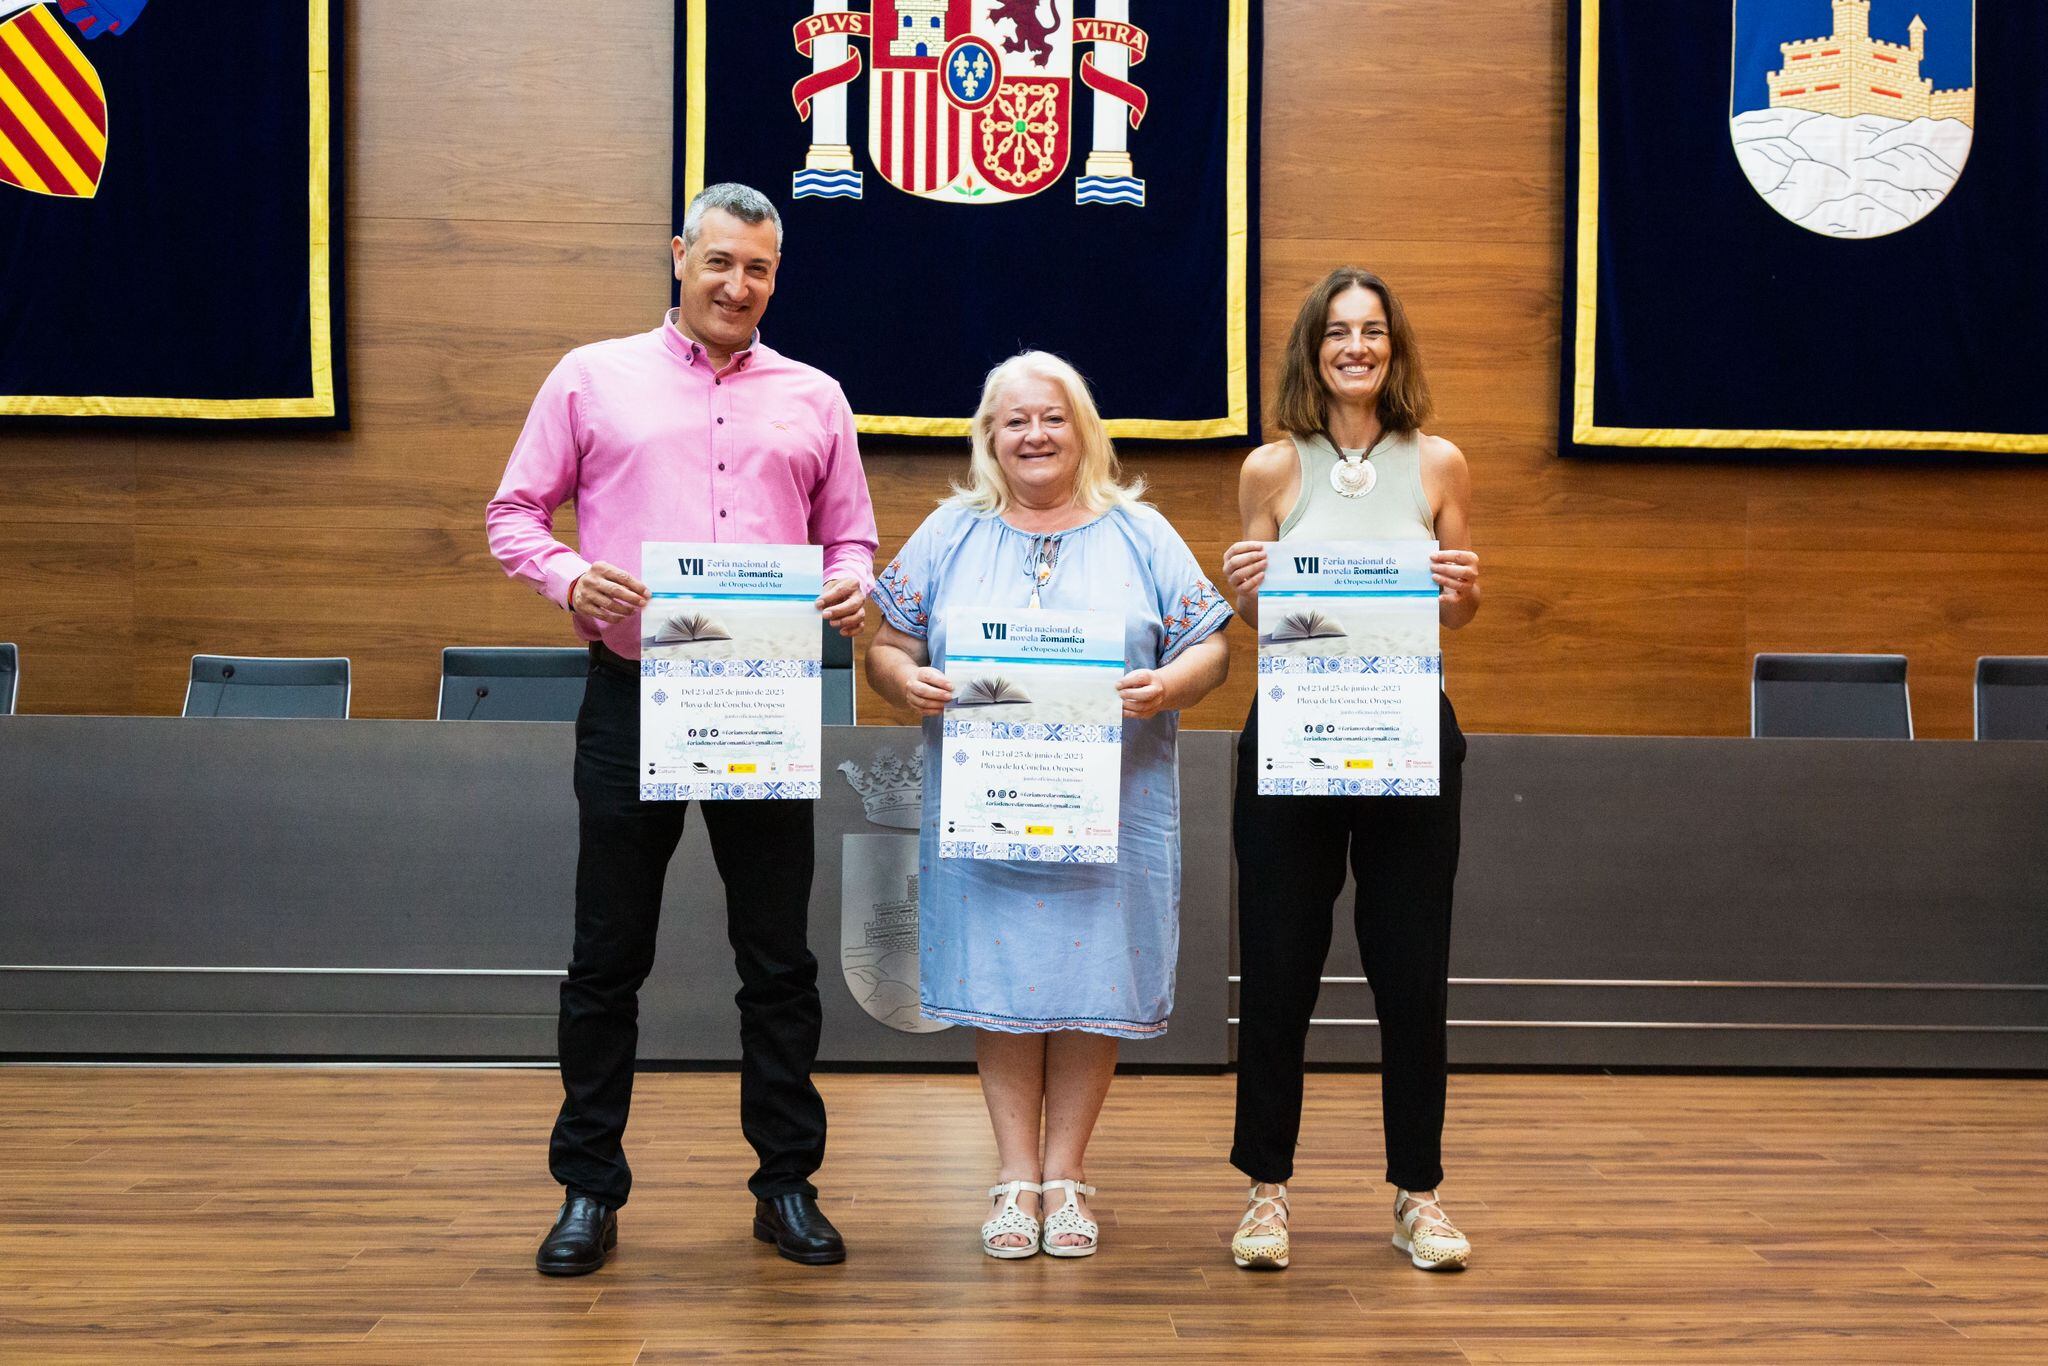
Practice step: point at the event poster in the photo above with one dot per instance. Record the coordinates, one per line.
(1033, 736)
(1350, 665)
(730, 671)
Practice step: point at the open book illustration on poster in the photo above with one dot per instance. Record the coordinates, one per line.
(994, 691)
(687, 628)
(1302, 626)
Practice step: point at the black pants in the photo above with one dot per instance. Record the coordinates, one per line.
(763, 847)
(1290, 858)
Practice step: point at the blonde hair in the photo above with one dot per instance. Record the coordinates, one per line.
(1098, 482)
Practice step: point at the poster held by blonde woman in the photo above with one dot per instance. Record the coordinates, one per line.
(1355, 466)
(1053, 963)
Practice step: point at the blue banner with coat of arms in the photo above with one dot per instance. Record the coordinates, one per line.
(963, 179)
(169, 214)
(1806, 225)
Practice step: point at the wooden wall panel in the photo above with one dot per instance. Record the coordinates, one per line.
(516, 110)
(309, 591)
(81, 578)
(56, 479)
(508, 173)
(1941, 609)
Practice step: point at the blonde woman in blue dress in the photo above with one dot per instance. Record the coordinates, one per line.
(1053, 964)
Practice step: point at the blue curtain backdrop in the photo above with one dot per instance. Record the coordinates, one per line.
(909, 300)
(1725, 318)
(189, 286)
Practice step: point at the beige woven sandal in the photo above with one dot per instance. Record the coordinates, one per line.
(1257, 1249)
(1426, 1235)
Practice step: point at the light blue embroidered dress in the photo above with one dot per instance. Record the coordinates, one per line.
(1036, 947)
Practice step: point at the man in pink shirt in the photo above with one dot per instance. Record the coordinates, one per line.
(694, 431)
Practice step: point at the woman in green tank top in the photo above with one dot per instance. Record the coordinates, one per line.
(1355, 465)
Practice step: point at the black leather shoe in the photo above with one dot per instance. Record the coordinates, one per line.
(584, 1234)
(799, 1230)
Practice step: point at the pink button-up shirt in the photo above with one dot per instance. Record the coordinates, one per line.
(652, 444)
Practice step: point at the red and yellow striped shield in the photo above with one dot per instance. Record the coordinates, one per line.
(53, 113)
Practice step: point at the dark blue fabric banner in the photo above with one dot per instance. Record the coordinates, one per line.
(962, 179)
(169, 201)
(1806, 225)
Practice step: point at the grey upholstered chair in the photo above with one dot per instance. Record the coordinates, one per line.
(2012, 697)
(294, 689)
(1842, 697)
(512, 683)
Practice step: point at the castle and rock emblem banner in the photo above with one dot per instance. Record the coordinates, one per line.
(962, 179)
(1849, 132)
(167, 212)
(1806, 225)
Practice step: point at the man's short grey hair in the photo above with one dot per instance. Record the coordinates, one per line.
(743, 202)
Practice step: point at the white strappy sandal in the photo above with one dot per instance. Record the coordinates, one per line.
(1011, 1220)
(1068, 1219)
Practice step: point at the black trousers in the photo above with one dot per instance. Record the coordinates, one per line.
(1290, 855)
(762, 848)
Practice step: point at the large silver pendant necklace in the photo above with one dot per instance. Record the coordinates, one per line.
(1353, 475)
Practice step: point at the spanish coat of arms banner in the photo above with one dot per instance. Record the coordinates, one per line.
(168, 203)
(963, 179)
(1806, 225)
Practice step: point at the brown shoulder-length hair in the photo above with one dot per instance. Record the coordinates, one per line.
(1302, 407)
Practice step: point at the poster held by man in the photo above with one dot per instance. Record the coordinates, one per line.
(730, 686)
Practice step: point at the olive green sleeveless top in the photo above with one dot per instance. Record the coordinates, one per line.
(1395, 510)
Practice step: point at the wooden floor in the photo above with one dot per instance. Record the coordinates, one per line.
(390, 1216)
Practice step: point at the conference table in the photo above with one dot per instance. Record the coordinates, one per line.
(402, 890)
